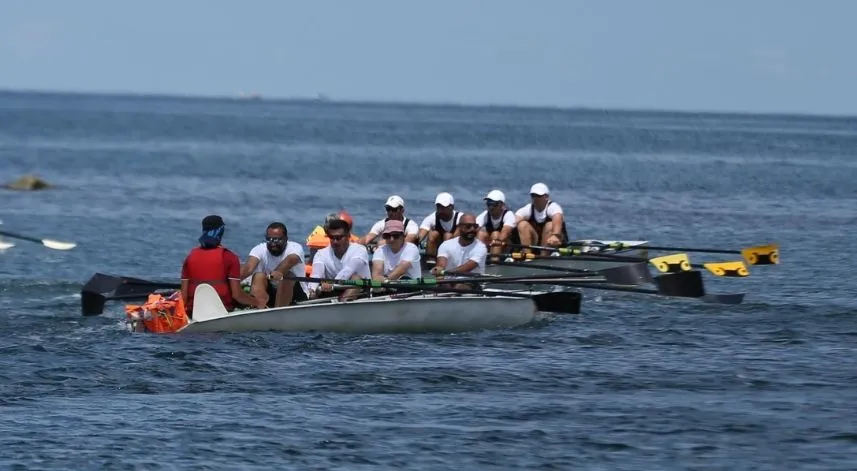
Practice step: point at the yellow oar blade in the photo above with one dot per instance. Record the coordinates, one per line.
(736, 268)
(762, 254)
(671, 263)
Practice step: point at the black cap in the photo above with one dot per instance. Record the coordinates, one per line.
(212, 222)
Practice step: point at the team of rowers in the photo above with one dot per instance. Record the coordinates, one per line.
(458, 242)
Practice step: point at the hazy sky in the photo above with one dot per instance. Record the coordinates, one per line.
(742, 55)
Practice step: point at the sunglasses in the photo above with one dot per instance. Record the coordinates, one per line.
(275, 240)
(469, 225)
(491, 203)
(533, 195)
(336, 237)
(393, 235)
(391, 209)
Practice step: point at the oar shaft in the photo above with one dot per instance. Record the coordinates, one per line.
(21, 237)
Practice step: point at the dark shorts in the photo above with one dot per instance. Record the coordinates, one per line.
(297, 294)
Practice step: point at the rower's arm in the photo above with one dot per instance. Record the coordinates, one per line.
(439, 264)
(400, 270)
(506, 233)
(378, 270)
(185, 285)
(239, 295)
(556, 225)
(465, 267)
(369, 238)
(248, 267)
(287, 264)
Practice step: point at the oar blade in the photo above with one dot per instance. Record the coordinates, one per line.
(683, 284)
(628, 274)
(566, 302)
(728, 269)
(58, 245)
(671, 263)
(102, 287)
(768, 254)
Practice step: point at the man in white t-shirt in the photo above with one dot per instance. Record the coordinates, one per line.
(541, 222)
(341, 260)
(395, 207)
(273, 265)
(462, 255)
(496, 223)
(396, 259)
(441, 225)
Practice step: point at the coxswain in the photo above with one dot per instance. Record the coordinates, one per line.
(541, 222)
(396, 259)
(496, 223)
(212, 263)
(341, 260)
(395, 207)
(273, 265)
(441, 225)
(462, 255)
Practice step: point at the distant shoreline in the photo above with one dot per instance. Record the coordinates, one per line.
(324, 100)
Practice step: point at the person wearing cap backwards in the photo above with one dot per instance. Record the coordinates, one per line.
(212, 263)
(496, 223)
(396, 259)
(341, 260)
(273, 264)
(441, 225)
(541, 222)
(462, 255)
(395, 207)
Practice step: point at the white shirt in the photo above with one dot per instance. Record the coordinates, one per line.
(410, 228)
(409, 253)
(541, 216)
(354, 260)
(268, 262)
(508, 219)
(456, 255)
(428, 222)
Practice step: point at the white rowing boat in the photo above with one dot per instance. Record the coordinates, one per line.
(414, 313)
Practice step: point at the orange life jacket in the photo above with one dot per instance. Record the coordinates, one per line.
(159, 314)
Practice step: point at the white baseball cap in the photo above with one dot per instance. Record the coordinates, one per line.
(539, 189)
(395, 201)
(444, 199)
(495, 195)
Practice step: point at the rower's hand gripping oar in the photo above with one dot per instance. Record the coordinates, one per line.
(49, 243)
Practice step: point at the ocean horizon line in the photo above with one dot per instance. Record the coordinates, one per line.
(255, 97)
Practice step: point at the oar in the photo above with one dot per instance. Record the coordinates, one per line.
(102, 288)
(49, 243)
(664, 264)
(567, 302)
(767, 254)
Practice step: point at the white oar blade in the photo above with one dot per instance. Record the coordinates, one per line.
(58, 245)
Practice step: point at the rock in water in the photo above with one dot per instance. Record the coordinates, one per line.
(28, 183)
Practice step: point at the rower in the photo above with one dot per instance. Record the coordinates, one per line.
(441, 225)
(341, 260)
(496, 223)
(273, 265)
(462, 255)
(395, 207)
(212, 263)
(317, 239)
(396, 259)
(541, 222)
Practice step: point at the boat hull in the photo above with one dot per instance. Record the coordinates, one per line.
(423, 313)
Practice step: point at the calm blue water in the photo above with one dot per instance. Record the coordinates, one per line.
(633, 382)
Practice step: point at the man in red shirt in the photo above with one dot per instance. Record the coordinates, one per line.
(212, 263)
